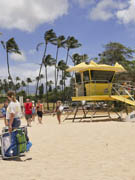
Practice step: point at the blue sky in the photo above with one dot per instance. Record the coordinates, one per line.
(93, 22)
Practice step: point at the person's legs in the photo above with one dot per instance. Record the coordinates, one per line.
(33, 117)
(28, 119)
(5, 121)
(59, 117)
(39, 113)
(40, 120)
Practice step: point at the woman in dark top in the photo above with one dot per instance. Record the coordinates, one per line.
(39, 108)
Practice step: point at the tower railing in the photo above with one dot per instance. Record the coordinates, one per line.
(103, 87)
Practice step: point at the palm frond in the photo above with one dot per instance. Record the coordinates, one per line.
(3, 44)
(12, 46)
(38, 45)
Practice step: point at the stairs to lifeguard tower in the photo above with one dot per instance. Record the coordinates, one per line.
(121, 91)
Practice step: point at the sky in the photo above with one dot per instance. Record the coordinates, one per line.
(93, 23)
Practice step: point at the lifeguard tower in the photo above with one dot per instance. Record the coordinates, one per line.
(94, 83)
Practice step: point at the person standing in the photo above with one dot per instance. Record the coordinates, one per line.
(58, 111)
(39, 108)
(33, 111)
(28, 112)
(13, 113)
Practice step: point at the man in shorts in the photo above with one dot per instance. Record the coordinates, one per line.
(28, 112)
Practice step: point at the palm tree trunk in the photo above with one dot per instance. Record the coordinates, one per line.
(28, 89)
(40, 70)
(46, 88)
(62, 80)
(15, 87)
(8, 66)
(55, 68)
(38, 78)
(63, 94)
(66, 64)
(67, 56)
(57, 76)
(9, 75)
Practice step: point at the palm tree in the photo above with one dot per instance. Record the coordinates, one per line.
(5, 85)
(17, 85)
(23, 84)
(85, 58)
(1, 86)
(77, 59)
(11, 47)
(71, 43)
(41, 90)
(38, 79)
(61, 66)
(17, 79)
(48, 61)
(28, 80)
(62, 84)
(59, 42)
(49, 84)
(49, 36)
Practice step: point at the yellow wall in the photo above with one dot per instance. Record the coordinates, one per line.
(91, 88)
(98, 89)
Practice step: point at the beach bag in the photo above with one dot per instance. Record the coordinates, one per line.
(21, 141)
(15, 143)
(9, 146)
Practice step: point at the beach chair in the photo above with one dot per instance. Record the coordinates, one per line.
(14, 144)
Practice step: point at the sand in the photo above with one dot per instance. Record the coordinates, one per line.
(75, 151)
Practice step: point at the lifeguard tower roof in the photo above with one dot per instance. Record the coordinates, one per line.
(94, 66)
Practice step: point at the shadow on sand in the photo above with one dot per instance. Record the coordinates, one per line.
(17, 159)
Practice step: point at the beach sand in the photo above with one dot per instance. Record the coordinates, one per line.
(75, 151)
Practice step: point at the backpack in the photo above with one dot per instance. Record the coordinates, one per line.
(21, 141)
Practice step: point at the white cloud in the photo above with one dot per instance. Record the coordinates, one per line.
(22, 70)
(105, 9)
(84, 3)
(127, 15)
(26, 15)
(26, 70)
(18, 57)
